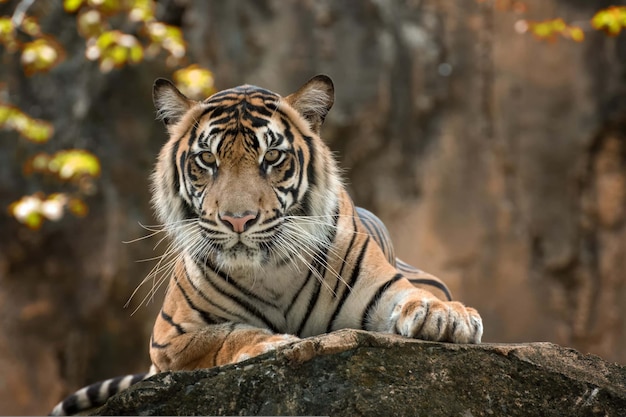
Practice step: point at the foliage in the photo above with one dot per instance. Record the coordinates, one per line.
(35, 130)
(77, 166)
(144, 37)
(195, 81)
(610, 20)
(114, 48)
(550, 29)
(66, 165)
(41, 55)
(32, 210)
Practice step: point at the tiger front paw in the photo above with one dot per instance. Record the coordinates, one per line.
(267, 345)
(432, 319)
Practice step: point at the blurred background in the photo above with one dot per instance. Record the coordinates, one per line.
(489, 135)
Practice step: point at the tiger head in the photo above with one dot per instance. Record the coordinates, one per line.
(244, 172)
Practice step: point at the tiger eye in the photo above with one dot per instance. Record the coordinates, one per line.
(272, 156)
(206, 158)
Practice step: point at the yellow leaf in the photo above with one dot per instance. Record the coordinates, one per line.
(558, 25)
(577, 34)
(117, 54)
(32, 129)
(31, 26)
(74, 163)
(18, 120)
(37, 131)
(167, 37)
(156, 31)
(136, 54)
(106, 6)
(106, 64)
(141, 10)
(549, 29)
(542, 30)
(32, 210)
(53, 207)
(38, 163)
(115, 49)
(7, 34)
(611, 20)
(90, 23)
(195, 81)
(27, 211)
(77, 207)
(41, 55)
(107, 39)
(33, 220)
(71, 6)
(6, 112)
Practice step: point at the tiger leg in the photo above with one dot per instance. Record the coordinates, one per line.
(411, 303)
(214, 345)
(424, 280)
(416, 313)
(378, 231)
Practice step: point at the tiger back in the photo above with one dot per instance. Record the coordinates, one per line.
(269, 246)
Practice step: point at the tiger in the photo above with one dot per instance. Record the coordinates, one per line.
(270, 248)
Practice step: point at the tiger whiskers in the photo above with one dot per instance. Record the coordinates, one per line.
(158, 275)
(297, 252)
(297, 240)
(176, 253)
(326, 220)
(296, 221)
(167, 261)
(301, 240)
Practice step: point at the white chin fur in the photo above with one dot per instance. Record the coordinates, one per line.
(239, 261)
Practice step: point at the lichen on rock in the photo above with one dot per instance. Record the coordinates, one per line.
(357, 373)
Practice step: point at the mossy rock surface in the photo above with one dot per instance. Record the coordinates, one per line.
(355, 373)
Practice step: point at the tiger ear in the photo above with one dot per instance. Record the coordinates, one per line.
(313, 100)
(169, 102)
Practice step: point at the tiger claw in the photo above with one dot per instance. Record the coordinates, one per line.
(431, 319)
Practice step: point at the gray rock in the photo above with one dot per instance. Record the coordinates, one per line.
(356, 373)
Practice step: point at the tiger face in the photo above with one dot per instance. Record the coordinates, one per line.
(238, 173)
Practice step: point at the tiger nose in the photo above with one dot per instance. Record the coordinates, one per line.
(238, 222)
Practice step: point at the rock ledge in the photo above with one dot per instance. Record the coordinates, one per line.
(356, 373)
